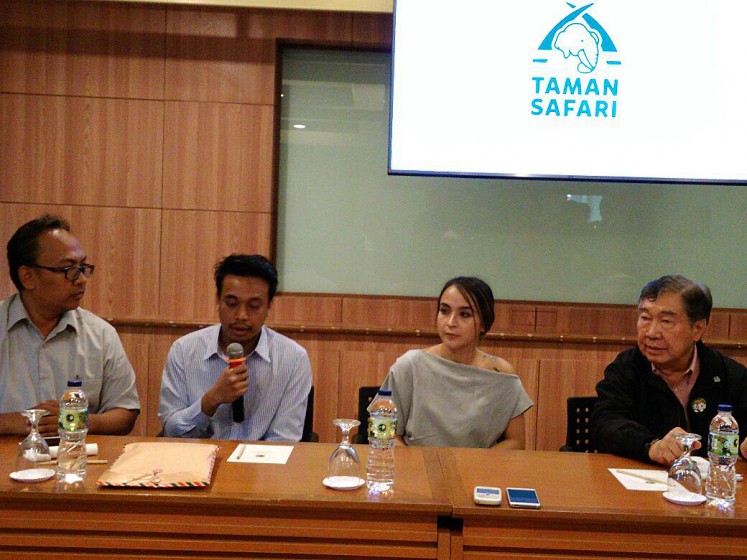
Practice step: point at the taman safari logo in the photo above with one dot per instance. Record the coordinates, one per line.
(577, 67)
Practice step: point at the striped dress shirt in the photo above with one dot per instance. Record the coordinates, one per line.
(274, 405)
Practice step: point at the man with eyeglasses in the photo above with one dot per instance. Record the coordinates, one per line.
(47, 339)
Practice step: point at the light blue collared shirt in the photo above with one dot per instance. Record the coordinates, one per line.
(274, 405)
(35, 369)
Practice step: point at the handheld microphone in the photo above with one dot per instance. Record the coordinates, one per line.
(235, 353)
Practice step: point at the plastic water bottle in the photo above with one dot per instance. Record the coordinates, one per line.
(382, 429)
(723, 450)
(72, 427)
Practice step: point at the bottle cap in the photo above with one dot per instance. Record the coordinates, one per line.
(724, 408)
(385, 392)
(74, 382)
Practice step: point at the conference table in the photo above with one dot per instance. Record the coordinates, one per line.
(251, 510)
(585, 512)
(254, 510)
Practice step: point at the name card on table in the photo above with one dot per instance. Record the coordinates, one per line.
(253, 453)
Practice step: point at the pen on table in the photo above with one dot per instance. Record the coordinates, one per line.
(640, 476)
(241, 451)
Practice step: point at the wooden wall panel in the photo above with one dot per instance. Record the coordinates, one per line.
(738, 325)
(395, 314)
(718, 326)
(420, 313)
(604, 321)
(71, 150)
(298, 309)
(218, 156)
(192, 243)
(558, 380)
(317, 27)
(229, 55)
(373, 30)
(514, 318)
(123, 243)
(137, 348)
(220, 55)
(325, 369)
(77, 48)
(531, 348)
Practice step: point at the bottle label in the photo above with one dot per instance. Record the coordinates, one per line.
(382, 428)
(73, 420)
(725, 445)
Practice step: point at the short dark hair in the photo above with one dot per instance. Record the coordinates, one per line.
(478, 294)
(248, 266)
(23, 247)
(695, 296)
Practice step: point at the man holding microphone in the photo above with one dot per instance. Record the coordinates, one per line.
(209, 390)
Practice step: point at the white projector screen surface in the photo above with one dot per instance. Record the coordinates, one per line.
(614, 90)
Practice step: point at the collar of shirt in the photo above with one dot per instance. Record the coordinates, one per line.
(684, 385)
(262, 350)
(691, 373)
(17, 313)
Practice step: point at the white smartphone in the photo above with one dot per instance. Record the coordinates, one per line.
(487, 495)
(522, 498)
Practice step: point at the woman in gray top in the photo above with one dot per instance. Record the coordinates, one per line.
(454, 394)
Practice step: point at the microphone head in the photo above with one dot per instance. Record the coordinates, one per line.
(235, 351)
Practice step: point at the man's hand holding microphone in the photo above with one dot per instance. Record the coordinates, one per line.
(231, 386)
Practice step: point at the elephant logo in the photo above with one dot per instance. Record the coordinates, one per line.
(577, 40)
(581, 36)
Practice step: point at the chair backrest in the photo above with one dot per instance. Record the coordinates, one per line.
(365, 396)
(308, 425)
(578, 436)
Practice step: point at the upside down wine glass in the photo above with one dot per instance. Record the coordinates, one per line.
(685, 482)
(32, 450)
(344, 470)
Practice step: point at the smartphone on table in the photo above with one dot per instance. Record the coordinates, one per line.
(522, 498)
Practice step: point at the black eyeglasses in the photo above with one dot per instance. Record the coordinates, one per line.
(71, 273)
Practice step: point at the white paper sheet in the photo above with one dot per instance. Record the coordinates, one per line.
(91, 449)
(631, 479)
(704, 466)
(253, 453)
